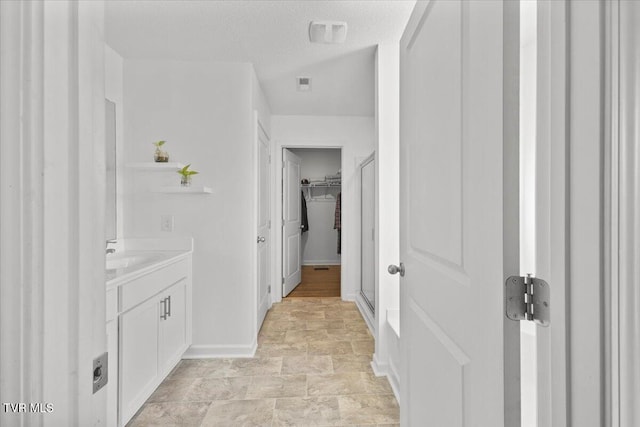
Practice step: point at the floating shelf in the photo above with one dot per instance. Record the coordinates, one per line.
(178, 189)
(156, 166)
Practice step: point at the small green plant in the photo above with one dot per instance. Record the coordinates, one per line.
(159, 144)
(186, 175)
(186, 172)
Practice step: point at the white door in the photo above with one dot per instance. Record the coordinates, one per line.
(291, 222)
(264, 224)
(459, 353)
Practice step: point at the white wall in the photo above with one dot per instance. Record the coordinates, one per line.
(356, 137)
(260, 103)
(204, 110)
(319, 244)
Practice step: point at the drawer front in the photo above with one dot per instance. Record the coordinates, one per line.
(112, 304)
(137, 291)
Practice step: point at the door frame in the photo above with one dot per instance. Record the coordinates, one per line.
(52, 187)
(622, 212)
(276, 208)
(573, 196)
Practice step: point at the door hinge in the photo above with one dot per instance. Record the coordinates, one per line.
(269, 289)
(283, 280)
(527, 298)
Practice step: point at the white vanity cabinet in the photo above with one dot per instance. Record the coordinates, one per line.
(154, 332)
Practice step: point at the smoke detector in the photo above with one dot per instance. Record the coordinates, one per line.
(327, 31)
(303, 84)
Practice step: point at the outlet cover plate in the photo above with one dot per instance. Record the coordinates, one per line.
(100, 371)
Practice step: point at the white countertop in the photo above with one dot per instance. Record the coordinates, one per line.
(137, 257)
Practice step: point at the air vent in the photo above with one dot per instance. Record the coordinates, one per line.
(303, 84)
(327, 31)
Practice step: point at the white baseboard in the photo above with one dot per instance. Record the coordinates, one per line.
(349, 297)
(220, 351)
(394, 379)
(388, 370)
(368, 317)
(379, 369)
(321, 262)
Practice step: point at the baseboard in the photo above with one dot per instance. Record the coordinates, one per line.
(394, 379)
(220, 351)
(349, 297)
(379, 369)
(308, 263)
(365, 311)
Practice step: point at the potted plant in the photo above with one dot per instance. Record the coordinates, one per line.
(160, 155)
(186, 175)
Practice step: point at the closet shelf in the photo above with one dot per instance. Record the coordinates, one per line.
(156, 166)
(323, 185)
(177, 189)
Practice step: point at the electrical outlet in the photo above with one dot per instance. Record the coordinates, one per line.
(166, 222)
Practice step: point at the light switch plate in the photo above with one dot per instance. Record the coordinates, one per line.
(166, 222)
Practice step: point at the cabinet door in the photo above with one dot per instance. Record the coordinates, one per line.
(138, 355)
(173, 330)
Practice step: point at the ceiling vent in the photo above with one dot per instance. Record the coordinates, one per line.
(327, 31)
(303, 84)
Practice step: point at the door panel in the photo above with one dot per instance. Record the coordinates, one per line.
(173, 330)
(452, 235)
(138, 368)
(264, 224)
(291, 222)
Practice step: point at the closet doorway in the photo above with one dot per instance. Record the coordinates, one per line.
(312, 226)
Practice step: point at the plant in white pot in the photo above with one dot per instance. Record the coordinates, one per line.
(186, 175)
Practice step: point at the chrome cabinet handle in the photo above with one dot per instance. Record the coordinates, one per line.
(169, 305)
(163, 316)
(261, 239)
(394, 269)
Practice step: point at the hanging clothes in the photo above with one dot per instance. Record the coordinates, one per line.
(304, 219)
(338, 219)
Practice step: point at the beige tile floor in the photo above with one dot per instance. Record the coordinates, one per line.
(312, 367)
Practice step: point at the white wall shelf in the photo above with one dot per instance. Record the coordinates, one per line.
(178, 189)
(156, 166)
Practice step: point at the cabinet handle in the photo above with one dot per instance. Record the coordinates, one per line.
(163, 316)
(169, 298)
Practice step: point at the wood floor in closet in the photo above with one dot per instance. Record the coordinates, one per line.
(321, 281)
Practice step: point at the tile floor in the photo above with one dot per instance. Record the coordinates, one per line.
(312, 367)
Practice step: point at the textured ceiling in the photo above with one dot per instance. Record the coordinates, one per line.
(273, 35)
